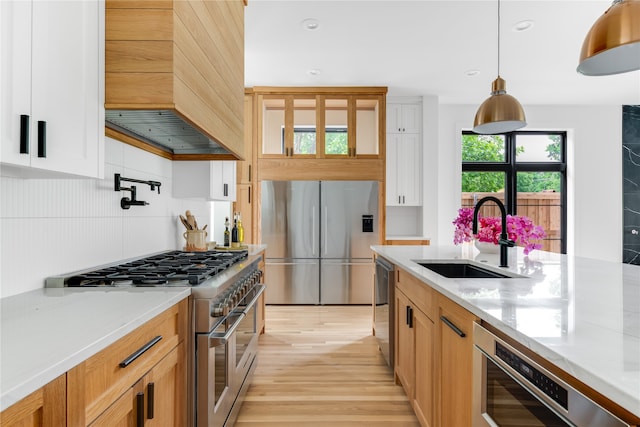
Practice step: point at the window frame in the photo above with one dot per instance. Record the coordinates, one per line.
(510, 167)
(313, 129)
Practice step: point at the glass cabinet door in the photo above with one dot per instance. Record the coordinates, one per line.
(367, 127)
(273, 125)
(308, 125)
(304, 126)
(336, 127)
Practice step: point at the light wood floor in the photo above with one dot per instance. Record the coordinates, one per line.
(320, 366)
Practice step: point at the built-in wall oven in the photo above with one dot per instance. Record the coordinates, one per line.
(511, 389)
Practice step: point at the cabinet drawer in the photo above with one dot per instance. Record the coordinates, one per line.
(95, 384)
(422, 296)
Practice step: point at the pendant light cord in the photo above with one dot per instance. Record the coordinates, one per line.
(498, 38)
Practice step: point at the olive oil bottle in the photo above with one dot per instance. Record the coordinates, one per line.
(227, 234)
(235, 243)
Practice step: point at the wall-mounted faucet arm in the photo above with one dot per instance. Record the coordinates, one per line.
(126, 202)
(118, 179)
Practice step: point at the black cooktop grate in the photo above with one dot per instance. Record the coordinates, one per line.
(173, 267)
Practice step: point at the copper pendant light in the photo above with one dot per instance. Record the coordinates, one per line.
(612, 46)
(500, 113)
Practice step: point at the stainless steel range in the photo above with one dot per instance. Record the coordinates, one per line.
(225, 286)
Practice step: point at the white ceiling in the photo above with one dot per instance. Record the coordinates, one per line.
(424, 47)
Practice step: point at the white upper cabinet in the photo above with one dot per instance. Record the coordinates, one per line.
(52, 72)
(208, 180)
(404, 154)
(404, 118)
(404, 172)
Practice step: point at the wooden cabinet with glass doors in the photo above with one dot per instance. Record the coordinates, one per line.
(338, 123)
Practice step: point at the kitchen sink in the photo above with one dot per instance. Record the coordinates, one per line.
(460, 270)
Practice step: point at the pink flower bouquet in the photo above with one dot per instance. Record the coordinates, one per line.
(520, 229)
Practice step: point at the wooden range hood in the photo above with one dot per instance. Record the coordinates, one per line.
(174, 77)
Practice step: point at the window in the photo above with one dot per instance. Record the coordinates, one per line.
(304, 140)
(525, 170)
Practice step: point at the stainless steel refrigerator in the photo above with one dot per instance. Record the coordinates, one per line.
(318, 236)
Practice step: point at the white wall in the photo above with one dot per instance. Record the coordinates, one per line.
(594, 173)
(54, 226)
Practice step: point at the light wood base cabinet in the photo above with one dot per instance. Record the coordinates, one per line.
(148, 362)
(44, 407)
(154, 400)
(455, 363)
(415, 334)
(405, 343)
(425, 376)
(434, 349)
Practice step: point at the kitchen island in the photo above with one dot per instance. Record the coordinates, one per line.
(582, 315)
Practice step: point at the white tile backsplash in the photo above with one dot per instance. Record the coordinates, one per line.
(55, 226)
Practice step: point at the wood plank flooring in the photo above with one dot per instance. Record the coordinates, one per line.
(320, 366)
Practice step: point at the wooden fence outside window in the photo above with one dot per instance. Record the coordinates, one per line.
(543, 208)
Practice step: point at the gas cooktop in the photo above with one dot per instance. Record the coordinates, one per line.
(171, 268)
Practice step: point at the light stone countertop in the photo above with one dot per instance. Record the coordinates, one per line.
(583, 315)
(46, 332)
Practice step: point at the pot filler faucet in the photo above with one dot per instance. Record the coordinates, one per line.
(503, 241)
(126, 202)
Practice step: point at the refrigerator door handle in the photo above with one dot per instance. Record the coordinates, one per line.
(281, 263)
(314, 233)
(325, 231)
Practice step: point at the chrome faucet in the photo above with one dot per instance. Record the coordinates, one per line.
(503, 241)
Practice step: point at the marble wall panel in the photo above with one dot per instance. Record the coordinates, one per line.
(631, 183)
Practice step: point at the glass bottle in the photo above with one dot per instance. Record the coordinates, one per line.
(234, 232)
(240, 230)
(227, 234)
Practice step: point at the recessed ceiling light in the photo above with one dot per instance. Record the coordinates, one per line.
(310, 24)
(471, 73)
(314, 72)
(523, 25)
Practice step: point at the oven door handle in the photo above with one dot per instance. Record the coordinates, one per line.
(217, 339)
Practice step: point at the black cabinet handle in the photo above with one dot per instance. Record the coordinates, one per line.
(406, 315)
(410, 317)
(42, 138)
(452, 326)
(140, 410)
(249, 197)
(399, 199)
(24, 134)
(126, 362)
(249, 173)
(150, 400)
(403, 202)
(225, 190)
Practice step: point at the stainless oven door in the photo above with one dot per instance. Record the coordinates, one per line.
(510, 389)
(214, 379)
(223, 360)
(246, 336)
